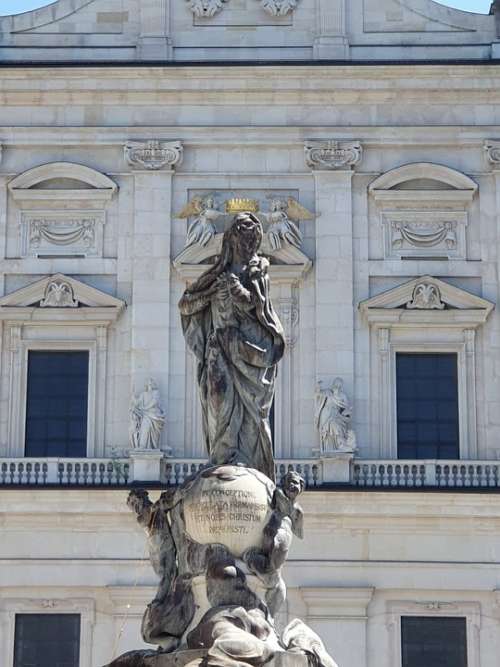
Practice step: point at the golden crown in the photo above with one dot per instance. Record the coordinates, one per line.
(238, 205)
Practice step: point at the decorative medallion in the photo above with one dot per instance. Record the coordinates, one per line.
(279, 7)
(205, 8)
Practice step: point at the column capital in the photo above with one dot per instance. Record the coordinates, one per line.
(492, 149)
(332, 154)
(154, 155)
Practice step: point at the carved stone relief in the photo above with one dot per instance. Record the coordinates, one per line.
(209, 213)
(425, 233)
(333, 154)
(426, 296)
(205, 8)
(492, 149)
(278, 7)
(59, 294)
(62, 233)
(288, 310)
(154, 155)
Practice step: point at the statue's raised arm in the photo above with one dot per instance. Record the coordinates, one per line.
(230, 325)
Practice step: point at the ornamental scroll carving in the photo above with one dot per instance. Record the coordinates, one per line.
(333, 154)
(154, 155)
(278, 7)
(492, 149)
(426, 296)
(205, 8)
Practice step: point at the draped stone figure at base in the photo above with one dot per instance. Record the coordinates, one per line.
(231, 327)
(218, 542)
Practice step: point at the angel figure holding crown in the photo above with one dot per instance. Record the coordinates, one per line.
(202, 230)
(283, 217)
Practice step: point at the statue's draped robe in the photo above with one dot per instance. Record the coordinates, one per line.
(237, 346)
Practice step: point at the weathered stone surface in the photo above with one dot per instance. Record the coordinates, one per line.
(231, 327)
(195, 657)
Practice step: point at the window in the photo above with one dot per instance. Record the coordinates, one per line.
(427, 406)
(57, 403)
(433, 642)
(47, 640)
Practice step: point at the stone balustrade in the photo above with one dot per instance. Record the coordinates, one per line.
(364, 473)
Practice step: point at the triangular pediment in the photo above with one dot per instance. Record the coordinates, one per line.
(441, 296)
(73, 294)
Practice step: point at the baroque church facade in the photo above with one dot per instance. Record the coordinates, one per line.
(366, 137)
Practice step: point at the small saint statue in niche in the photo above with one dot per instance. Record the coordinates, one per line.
(334, 418)
(231, 327)
(147, 418)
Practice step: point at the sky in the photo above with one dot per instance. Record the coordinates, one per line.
(17, 6)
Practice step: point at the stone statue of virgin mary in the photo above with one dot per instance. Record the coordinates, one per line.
(230, 325)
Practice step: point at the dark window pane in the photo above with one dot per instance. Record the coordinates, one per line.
(433, 642)
(427, 406)
(57, 403)
(47, 640)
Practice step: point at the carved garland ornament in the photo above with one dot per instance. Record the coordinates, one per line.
(333, 154)
(153, 155)
(424, 235)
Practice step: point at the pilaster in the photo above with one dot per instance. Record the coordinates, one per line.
(332, 166)
(340, 616)
(331, 42)
(154, 41)
(151, 274)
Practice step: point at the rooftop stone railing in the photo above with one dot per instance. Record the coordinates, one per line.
(364, 474)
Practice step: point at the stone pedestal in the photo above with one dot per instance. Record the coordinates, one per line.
(192, 658)
(337, 467)
(146, 465)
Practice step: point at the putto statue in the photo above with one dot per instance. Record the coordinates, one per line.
(231, 327)
(334, 418)
(202, 230)
(146, 418)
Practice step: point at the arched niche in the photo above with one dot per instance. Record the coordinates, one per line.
(423, 210)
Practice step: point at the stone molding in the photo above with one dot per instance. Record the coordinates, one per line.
(333, 154)
(471, 611)
(154, 155)
(426, 170)
(396, 328)
(333, 603)
(9, 607)
(97, 185)
(32, 323)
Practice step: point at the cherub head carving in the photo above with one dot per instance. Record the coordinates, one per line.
(138, 501)
(293, 485)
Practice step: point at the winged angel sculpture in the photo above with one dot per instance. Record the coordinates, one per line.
(283, 217)
(202, 230)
